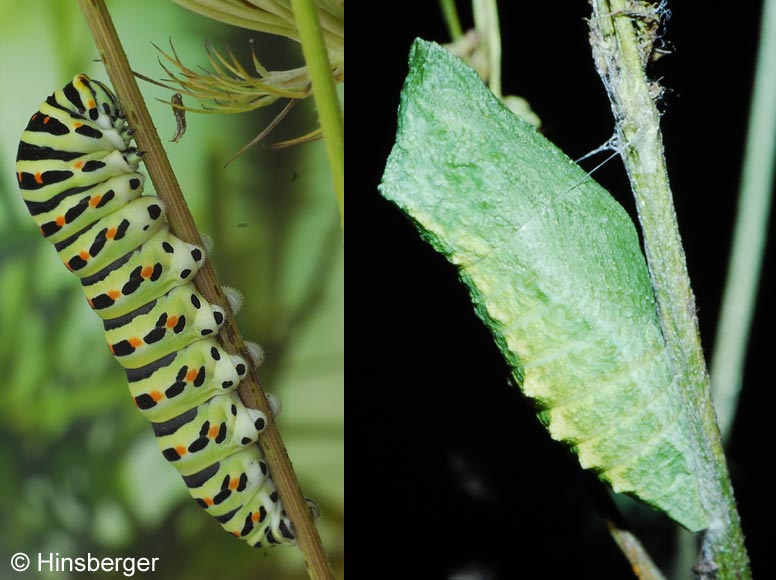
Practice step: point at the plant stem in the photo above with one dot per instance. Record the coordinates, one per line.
(182, 225)
(450, 14)
(324, 93)
(754, 201)
(622, 36)
(486, 24)
(642, 565)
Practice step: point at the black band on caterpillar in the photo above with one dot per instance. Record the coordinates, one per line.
(78, 176)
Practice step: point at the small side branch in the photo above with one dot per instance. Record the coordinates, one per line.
(642, 565)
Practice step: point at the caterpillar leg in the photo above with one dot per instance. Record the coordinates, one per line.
(257, 353)
(275, 405)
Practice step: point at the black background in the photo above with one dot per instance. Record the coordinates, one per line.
(448, 468)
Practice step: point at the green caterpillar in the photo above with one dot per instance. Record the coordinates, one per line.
(79, 178)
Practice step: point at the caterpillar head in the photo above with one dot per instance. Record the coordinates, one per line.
(100, 105)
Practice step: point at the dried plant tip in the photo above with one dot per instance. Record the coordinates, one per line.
(180, 117)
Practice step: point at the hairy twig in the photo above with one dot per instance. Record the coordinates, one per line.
(622, 35)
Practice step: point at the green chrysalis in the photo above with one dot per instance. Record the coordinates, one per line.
(554, 268)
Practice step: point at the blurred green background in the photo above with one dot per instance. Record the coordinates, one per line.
(80, 470)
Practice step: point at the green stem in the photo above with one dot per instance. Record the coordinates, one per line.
(750, 231)
(450, 14)
(620, 32)
(487, 25)
(324, 93)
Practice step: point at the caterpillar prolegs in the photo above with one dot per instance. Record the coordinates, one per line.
(79, 178)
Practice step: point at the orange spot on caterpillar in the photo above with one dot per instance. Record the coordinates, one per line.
(208, 500)
(135, 341)
(84, 256)
(95, 201)
(89, 300)
(213, 432)
(35, 116)
(113, 294)
(110, 347)
(111, 233)
(255, 516)
(191, 375)
(46, 119)
(60, 221)
(233, 483)
(156, 395)
(171, 322)
(19, 176)
(78, 164)
(147, 271)
(91, 104)
(77, 124)
(236, 534)
(181, 450)
(38, 177)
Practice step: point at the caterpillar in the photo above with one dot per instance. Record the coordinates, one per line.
(78, 175)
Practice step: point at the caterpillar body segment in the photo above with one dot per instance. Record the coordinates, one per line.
(59, 219)
(162, 327)
(78, 175)
(48, 179)
(108, 239)
(155, 268)
(51, 119)
(209, 433)
(238, 492)
(184, 379)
